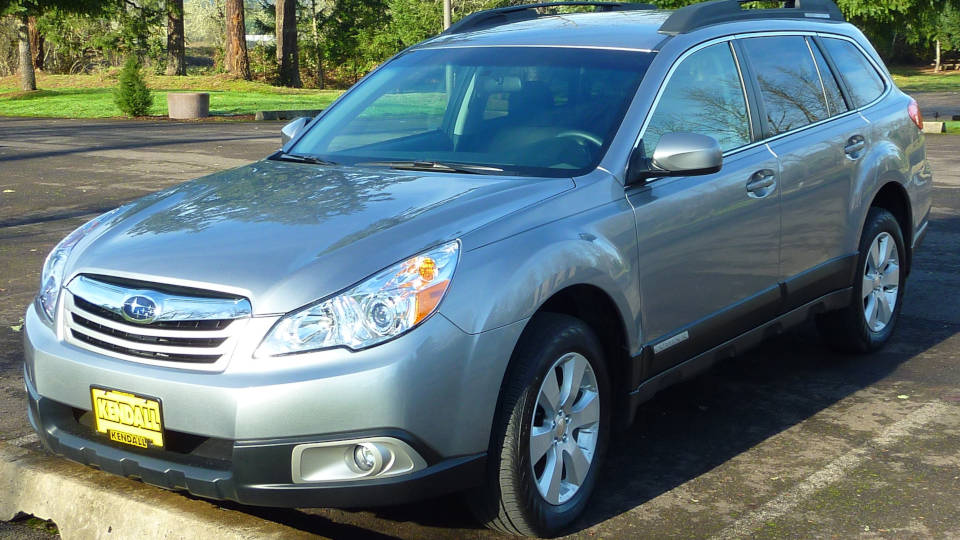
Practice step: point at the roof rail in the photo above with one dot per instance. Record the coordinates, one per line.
(696, 16)
(495, 17)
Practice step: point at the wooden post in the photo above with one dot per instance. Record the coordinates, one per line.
(447, 14)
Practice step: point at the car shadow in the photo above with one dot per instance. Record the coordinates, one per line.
(683, 433)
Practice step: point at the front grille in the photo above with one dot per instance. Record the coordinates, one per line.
(197, 332)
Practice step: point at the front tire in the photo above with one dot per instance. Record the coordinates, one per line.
(550, 432)
(868, 322)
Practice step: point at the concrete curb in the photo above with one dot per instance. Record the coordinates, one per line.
(86, 503)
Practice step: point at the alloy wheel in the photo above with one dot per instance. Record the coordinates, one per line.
(564, 429)
(881, 282)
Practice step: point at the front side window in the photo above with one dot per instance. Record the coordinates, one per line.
(705, 96)
(861, 78)
(791, 89)
(527, 111)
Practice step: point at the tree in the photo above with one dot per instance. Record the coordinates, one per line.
(288, 55)
(36, 43)
(22, 10)
(237, 61)
(132, 95)
(176, 64)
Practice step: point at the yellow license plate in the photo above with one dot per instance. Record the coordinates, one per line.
(127, 418)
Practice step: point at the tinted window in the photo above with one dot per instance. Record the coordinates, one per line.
(861, 78)
(789, 83)
(526, 110)
(835, 102)
(704, 96)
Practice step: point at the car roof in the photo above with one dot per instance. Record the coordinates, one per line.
(632, 30)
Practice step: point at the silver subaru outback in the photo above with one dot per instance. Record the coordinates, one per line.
(478, 262)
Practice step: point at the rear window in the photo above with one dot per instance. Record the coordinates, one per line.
(861, 78)
(793, 95)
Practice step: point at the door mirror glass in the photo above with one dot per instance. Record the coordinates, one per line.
(678, 154)
(291, 130)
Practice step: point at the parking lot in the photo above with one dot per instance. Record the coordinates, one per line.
(790, 440)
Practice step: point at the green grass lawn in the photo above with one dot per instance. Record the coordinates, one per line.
(91, 96)
(925, 80)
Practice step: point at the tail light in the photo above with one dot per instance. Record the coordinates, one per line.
(914, 111)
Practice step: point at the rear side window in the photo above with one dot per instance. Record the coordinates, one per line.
(835, 102)
(705, 96)
(792, 93)
(862, 80)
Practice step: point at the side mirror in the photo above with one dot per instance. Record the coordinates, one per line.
(677, 154)
(291, 130)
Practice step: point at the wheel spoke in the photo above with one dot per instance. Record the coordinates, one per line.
(577, 463)
(541, 440)
(549, 397)
(891, 275)
(884, 309)
(870, 310)
(867, 287)
(586, 411)
(572, 377)
(873, 256)
(886, 246)
(549, 482)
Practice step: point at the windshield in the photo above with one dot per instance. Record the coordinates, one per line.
(528, 111)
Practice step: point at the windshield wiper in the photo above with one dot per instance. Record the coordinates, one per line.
(437, 166)
(297, 158)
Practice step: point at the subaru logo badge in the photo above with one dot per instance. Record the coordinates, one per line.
(140, 309)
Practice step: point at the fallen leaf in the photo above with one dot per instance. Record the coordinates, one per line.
(903, 396)
(9, 191)
(17, 327)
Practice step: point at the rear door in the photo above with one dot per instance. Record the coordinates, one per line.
(709, 245)
(820, 141)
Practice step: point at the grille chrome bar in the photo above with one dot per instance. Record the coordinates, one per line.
(190, 332)
(172, 308)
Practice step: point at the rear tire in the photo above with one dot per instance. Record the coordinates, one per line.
(553, 417)
(868, 322)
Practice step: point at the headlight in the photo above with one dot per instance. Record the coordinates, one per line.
(380, 308)
(51, 279)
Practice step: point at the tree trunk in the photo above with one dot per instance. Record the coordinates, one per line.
(447, 14)
(28, 79)
(176, 64)
(238, 63)
(288, 56)
(36, 43)
(316, 44)
(936, 61)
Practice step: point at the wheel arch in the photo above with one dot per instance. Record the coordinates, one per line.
(893, 197)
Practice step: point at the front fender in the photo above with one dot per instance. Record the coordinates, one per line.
(508, 280)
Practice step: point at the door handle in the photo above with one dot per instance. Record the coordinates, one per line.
(761, 183)
(855, 146)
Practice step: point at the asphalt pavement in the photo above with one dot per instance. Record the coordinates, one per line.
(790, 440)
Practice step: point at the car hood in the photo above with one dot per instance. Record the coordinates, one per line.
(285, 234)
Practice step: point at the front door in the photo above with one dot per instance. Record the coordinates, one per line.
(709, 245)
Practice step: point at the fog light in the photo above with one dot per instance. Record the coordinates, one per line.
(365, 457)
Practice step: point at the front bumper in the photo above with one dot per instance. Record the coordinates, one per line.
(248, 472)
(231, 434)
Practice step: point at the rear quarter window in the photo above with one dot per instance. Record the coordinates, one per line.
(861, 78)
